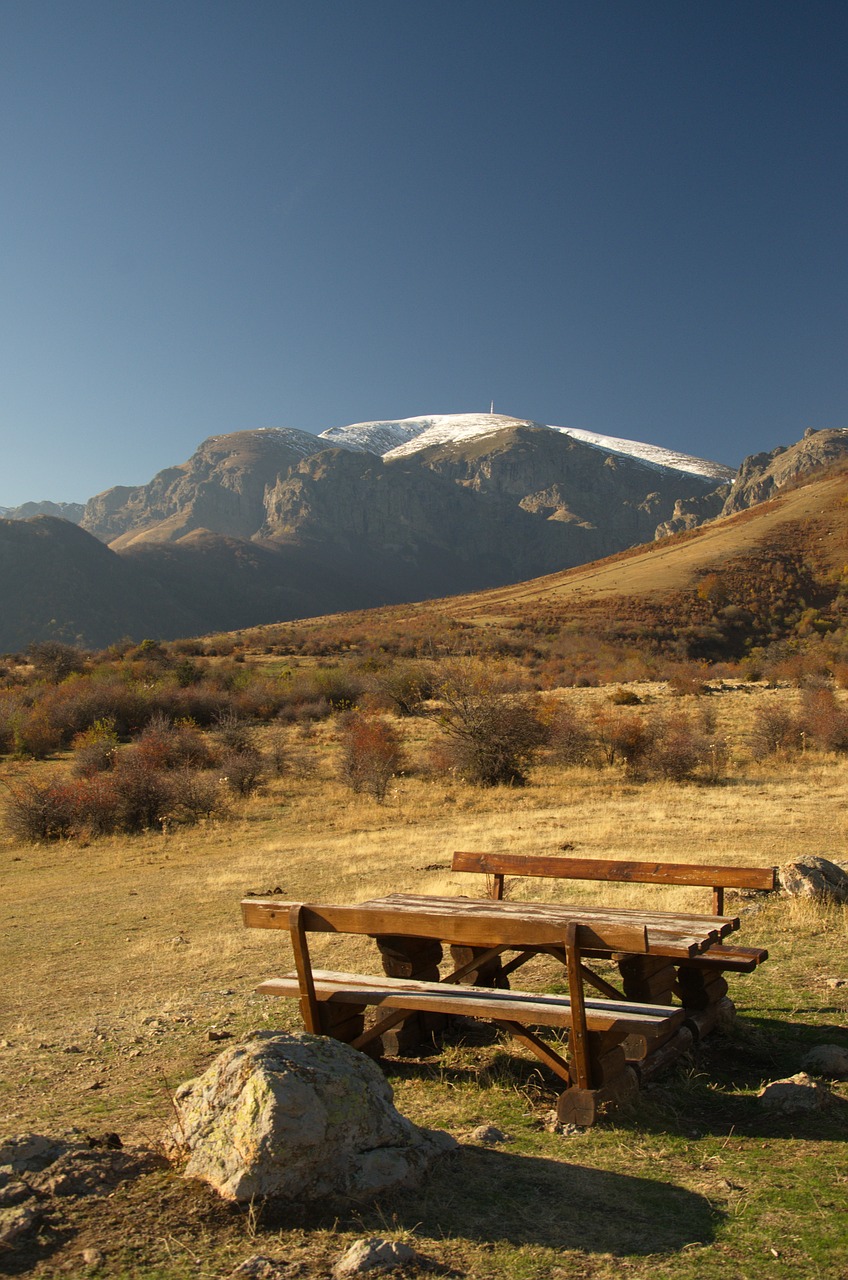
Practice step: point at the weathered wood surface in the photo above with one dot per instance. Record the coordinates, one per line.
(716, 877)
(475, 922)
(516, 864)
(476, 1002)
(674, 934)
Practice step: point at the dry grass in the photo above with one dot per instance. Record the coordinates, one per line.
(120, 957)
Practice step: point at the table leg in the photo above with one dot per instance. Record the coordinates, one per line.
(412, 958)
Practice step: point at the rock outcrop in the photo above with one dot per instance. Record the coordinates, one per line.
(299, 1118)
(763, 475)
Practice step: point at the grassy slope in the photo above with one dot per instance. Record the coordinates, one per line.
(119, 959)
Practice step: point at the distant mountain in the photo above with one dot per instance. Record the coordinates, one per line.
(268, 525)
(72, 511)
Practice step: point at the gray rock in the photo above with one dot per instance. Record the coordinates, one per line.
(375, 1255)
(30, 1152)
(795, 1094)
(300, 1118)
(16, 1221)
(814, 878)
(828, 1060)
(489, 1135)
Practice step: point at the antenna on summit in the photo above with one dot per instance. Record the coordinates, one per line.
(492, 407)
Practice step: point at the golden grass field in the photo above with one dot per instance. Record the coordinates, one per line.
(120, 956)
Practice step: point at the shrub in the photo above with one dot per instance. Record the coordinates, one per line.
(491, 734)
(54, 661)
(371, 753)
(569, 737)
(624, 737)
(143, 794)
(679, 747)
(242, 771)
(35, 734)
(775, 731)
(823, 719)
(163, 745)
(96, 748)
(405, 686)
(622, 697)
(195, 794)
(39, 811)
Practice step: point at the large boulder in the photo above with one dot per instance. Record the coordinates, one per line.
(814, 877)
(301, 1118)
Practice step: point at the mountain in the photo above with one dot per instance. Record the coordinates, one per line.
(262, 526)
(72, 511)
(762, 475)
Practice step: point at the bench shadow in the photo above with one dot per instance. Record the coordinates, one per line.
(490, 1195)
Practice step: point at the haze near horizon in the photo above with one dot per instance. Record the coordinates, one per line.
(622, 219)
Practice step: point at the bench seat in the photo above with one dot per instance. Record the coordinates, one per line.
(629, 1017)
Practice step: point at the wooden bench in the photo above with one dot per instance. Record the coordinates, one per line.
(697, 981)
(334, 1003)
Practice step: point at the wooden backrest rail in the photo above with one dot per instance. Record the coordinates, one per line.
(717, 878)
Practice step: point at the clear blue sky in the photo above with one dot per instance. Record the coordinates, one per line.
(627, 216)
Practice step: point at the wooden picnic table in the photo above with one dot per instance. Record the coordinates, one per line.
(409, 931)
(677, 943)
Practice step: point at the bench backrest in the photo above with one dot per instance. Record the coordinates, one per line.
(455, 925)
(717, 878)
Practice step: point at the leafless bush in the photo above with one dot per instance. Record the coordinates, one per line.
(775, 731)
(624, 736)
(681, 749)
(242, 771)
(824, 719)
(195, 794)
(38, 811)
(491, 734)
(371, 753)
(143, 793)
(568, 735)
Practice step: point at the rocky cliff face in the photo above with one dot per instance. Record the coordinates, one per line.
(221, 488)
(763, 475)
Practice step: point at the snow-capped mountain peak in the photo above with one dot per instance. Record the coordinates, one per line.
(406, 436)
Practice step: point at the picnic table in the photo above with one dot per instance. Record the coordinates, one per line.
(607, 1036)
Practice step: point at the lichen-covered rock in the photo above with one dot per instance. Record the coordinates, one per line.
(814, 877)
(828, 1060)
(797, 1093)
(298, 1117)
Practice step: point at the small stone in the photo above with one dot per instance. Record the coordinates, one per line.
(13, 1191)
(828, 1060)
(835, 983)
(212, 1034)
(93, 1257)
(797, 1093)
(489, 1135)
(260, 1267)
(15, 1221)
(375, 1255)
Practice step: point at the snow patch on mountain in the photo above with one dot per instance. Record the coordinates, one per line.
(400, 439)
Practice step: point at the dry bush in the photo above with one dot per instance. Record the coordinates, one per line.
(823, 719)
(38, 811)
(35, 734)
(166, 745)
(371, 753)
(242, 771)
(143, 793)
(195, 794)
(625, 737)
(491, 732)
(775, 731)
(404, 686)
(568, 735)
(96, 749)
(621, 697)
(680, 749)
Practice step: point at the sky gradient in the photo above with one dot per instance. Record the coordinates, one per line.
(216, 215)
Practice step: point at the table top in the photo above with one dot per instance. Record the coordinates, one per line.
(677, 935)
